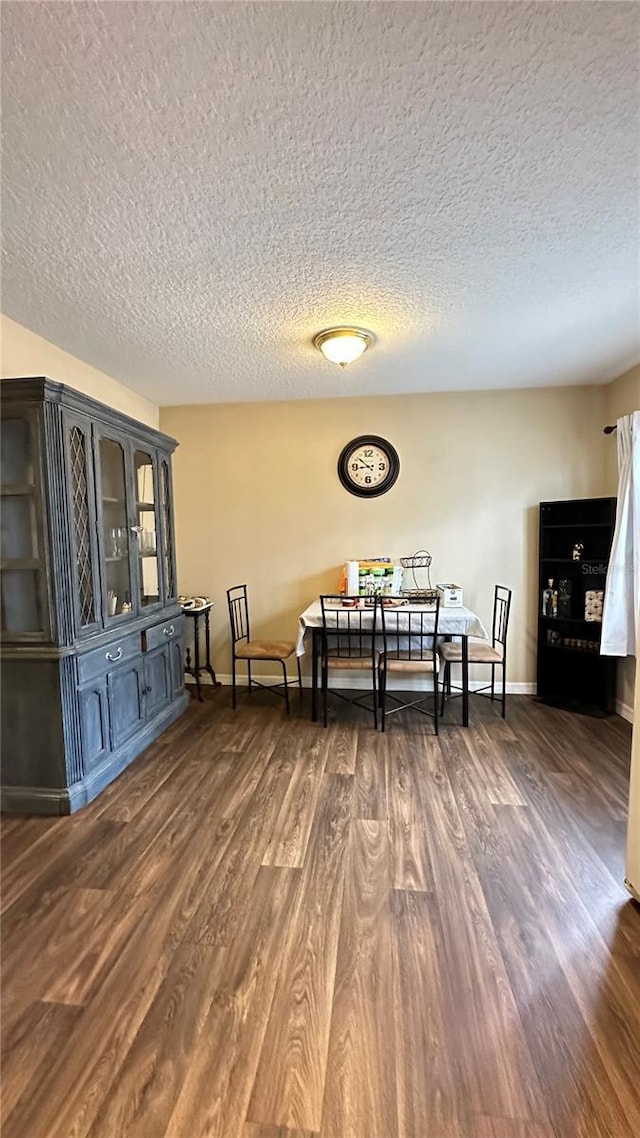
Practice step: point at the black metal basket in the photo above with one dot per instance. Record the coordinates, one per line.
(424, 594)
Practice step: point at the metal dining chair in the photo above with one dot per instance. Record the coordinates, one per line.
(348, 643)
(482, 652)
(409, 648)
(246, 650)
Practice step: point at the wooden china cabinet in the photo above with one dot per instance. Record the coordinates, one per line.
(92, 661)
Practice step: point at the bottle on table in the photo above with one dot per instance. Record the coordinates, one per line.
(378, 581)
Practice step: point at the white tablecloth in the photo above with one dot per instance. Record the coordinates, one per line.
(452, 621)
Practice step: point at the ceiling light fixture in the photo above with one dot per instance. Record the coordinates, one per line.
(343, 345)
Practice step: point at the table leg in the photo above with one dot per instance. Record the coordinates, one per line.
(315, 639)
(207, 666)
(188, 667)
(196, 653)
(465, 681)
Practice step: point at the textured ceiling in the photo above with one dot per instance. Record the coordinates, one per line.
(192, 190)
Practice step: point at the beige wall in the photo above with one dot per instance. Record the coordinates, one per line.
(24, 353)
(258, 498)
(621, 398)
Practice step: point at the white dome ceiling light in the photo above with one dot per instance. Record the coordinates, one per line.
(343, 345)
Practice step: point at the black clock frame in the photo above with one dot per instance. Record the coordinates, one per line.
(382, 487)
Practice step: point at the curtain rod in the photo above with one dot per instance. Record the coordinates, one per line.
(609, 430)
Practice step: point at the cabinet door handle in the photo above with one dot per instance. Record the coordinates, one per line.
(169, 631)
(136, 529)
(147, 691)
(113, 656)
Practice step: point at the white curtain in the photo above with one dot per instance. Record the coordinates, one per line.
(621, 618)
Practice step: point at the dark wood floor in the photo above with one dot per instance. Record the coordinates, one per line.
(268, 930)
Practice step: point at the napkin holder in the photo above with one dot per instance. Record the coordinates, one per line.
(450, 595)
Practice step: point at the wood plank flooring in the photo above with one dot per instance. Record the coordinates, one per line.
(267, 930)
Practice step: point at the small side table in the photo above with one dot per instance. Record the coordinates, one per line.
(196, 669)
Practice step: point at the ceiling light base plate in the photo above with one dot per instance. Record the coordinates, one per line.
(344, 344)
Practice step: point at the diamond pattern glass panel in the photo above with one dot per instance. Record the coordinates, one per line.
(77, 449)
(168, 550)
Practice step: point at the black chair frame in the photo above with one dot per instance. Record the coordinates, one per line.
(418, 641)
(238, 602)
(343, 636)
(499, 628)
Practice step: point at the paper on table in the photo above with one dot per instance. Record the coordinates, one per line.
(353, 581)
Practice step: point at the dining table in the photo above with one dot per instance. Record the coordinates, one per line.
(454, 621)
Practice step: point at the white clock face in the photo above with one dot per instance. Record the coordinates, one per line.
(367, 466)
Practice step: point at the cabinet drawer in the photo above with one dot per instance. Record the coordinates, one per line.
(104, 659)
(162, 633)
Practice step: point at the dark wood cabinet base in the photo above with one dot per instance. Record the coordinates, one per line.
(579, 706)
(68, 799)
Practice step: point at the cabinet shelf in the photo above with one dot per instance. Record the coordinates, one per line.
(570, 620)
(108, 500)
(115, 560)
(572, 648)
(578, 525)
(8, 491)
(7, 564)
(145, 505)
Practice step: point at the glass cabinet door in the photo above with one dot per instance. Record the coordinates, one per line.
(168, 554)
(116, 534)
(147, 536)
(23, 592)
(80, 464)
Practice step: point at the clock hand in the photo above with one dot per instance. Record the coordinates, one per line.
(368, 465)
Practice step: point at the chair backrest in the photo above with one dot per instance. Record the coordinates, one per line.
(501, 609)
(349, 627)
(239, 613)
(413, 631)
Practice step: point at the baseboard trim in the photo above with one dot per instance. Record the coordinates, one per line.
(34, 800)
(359, 682)
(624, 710)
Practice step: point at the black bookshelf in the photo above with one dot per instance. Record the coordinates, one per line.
(571, 671)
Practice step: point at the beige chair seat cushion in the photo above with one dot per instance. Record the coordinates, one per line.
(350, 662)
(401, 661)
(265, 649)
(480, 652)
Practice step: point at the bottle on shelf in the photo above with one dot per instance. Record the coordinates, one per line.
(564, 598)
(550, 600)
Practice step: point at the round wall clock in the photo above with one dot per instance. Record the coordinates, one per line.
(368, 466)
